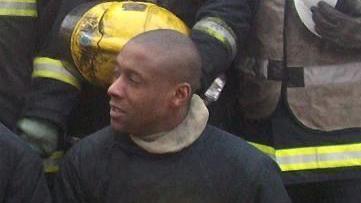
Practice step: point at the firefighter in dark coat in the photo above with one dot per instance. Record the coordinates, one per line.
(159, 147)
(21, 171)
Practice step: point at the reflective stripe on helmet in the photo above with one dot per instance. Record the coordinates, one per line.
(218, 29)
(317, 157)
(51, 68)
(18, 8)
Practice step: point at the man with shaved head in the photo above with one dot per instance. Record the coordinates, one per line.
(159, 147)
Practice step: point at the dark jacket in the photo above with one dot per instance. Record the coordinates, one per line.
(21, 174)
(218, 167)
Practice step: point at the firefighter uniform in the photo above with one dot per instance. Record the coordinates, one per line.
(218, 27)
(21, 174)
(300, 103)
(22, 27)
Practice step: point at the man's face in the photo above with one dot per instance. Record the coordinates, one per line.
(140, 93)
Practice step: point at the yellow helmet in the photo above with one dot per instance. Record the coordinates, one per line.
(94, 33)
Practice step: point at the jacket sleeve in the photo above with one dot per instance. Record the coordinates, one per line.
(67, 187)
(21, 171)
(28, 183)
(55, 90)
(47, 11)
(219, 31)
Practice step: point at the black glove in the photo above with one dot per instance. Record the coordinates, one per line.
(337, 27)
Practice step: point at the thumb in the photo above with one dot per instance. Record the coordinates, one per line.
(330, 13)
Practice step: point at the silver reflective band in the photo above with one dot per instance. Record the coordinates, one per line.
(317, 157)
(332, 74)
(218, 29)
(339, 156)
(18, 8)
(51, 68)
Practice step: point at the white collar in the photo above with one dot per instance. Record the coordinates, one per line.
(181, 136)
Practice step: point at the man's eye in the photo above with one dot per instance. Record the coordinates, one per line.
(134, 79)
(116, 74)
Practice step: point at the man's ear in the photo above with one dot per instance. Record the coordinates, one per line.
(181, 95)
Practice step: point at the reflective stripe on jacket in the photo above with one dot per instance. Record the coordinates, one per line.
(18, 8)
(306, 92)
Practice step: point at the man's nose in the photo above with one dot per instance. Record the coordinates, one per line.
(116, 89)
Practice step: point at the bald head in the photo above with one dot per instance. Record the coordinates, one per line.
(155, 75)
(175, 51)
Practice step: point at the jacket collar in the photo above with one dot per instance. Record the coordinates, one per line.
(182, 136)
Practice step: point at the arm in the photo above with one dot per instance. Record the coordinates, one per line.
(219, 32)
(67, 187)
(26, 182)
(55, 90)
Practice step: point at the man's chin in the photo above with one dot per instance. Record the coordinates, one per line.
(120, 128)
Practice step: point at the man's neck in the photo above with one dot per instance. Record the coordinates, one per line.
(172, 121)
(184, 133)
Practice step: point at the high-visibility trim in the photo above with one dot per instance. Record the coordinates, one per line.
(51, 164)
(265, 149)
(324, 74)
(18, 8)
(319, 157)
(218, 29)
(19, 1)
(54, 69)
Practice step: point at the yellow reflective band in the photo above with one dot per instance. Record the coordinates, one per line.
(54, 69)
(218, 29)
(18, 8)
(265, 149)
(18, 12)
(321, 165)
(320, 157)
(17, 1)
(51, 164)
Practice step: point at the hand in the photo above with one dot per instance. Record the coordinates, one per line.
(336, 26)
(41, 135)
(350, 7)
